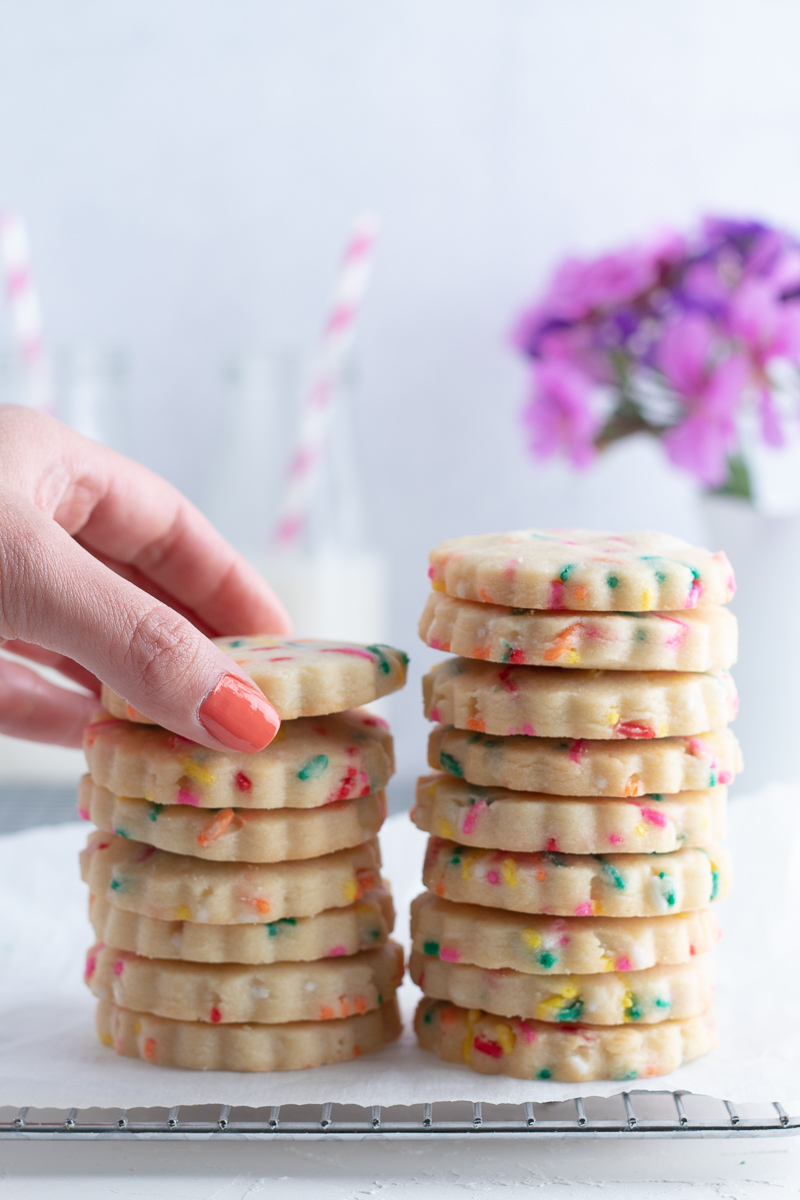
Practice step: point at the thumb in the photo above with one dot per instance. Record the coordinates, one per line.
(57, 595)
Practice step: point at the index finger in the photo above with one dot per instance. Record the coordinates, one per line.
(122, 511)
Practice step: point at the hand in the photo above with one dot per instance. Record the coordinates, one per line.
(108, 573)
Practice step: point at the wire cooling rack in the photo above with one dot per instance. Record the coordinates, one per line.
(629, 1114)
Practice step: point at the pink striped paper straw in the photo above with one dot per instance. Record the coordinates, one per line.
(326, 375)
(26, 312)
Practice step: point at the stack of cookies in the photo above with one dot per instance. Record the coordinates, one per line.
(582, 753)
(237, 898)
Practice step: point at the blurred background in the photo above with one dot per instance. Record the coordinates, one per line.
(189, 173)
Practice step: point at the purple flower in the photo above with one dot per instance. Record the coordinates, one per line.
(559, 413)
(711, 392)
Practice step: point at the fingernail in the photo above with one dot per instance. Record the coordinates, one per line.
(237, 714)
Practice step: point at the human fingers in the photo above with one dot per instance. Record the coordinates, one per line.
(33, 708)
(58, 662)
(55, 594)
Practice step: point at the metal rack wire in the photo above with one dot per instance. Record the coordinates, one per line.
(640, 1113)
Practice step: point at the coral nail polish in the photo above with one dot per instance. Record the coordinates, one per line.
(240, 716)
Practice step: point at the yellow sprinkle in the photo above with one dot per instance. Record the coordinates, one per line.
(446, 829)
(573, 658)
(663, 730)
(531, 938)
(149, 796)
(645, 601)
(466, 867)
(641, 829)
(350, 891)
(197, 772)
(183, 913)
(473, 1016)
(509, 870)
(627, 1003)
(608, 962)
(437, 585)
(549, 1006)
(612, 716)
(137, 1027)
(505, 1036)
(106, 1039)
(569, 991)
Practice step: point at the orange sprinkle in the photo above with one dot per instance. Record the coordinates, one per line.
(261, 905)
(439, 889)
(356, 1052)
(481, 652)
(562, 643)
(360, 1004)
(632, 786)
(580, 592)
(541, 876)
(326, 1013)
(476, 724)
(215, 827)
(484, 596)
(344, 1006)
(149, 1049)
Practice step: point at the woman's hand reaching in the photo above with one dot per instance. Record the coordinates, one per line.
(108, 573)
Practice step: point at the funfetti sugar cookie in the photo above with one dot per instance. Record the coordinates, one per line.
(548, 702)
(303, 677)
(175, 887)
(542, 945)
(582, 570)
(310, 762)
(572, 1053)
(202, 1046)
(497, 818)
(333, 933)
(230, 993)
(577, 767)
(704, 639)
(235, 834)
(576, 885)
(618, 998)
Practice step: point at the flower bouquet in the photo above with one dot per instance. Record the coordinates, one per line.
(694, 340)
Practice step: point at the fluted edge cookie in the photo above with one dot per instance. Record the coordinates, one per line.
(578, 885)
(231, 993)
(235, 834)
(638, 997)
(175, 887)
(333, 933)
(201, 1046)
(548, 702)
(704, 639)
(302, 677)
(580, 569)
(577, 767)
(497, 818)
(543, 945)
(310, 762)
(574, 1054)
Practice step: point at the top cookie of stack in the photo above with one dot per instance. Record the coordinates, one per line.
(237, 898)
(535, 811)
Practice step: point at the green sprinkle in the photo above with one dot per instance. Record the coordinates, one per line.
(431, 948)
(121, 833)
(667, 889)
(380, 999)
(611, 874)
(155, 810)
(714, 884)
(314, 767)
(634, 1013)
(656, 796)
(374, 934)
(555, 860)
(629, 1075)
(451, 764)
(572, 1012)
(641, 635)
(428, 1018)
(383, 662)
(545, 1073)
(563, 745)
(661, 577)
(565, 574)
(612, 581)
(272, 926)
(663, 1003)
(235, 643)
(547, 959)
(455, 857)
(508, 650)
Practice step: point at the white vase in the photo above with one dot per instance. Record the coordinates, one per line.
(765, 553)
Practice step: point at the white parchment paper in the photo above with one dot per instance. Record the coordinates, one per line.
(50, 1056)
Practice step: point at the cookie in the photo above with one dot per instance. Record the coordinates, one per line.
(229, 993)
(578, 885)
(310, 762)
(702, 640)
(497, 818)
(235, 834)
(540, 945)
(200, 1046)
(582, 570)
(175, 887)
(303, 677)
(637, 997)
(548, 702)
(570, 767)
(572, 1053)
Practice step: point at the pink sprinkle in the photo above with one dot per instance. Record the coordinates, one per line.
(449, 954)
(435, 714)
(471, 819)
(337, 952)
(655, 818)
(377, 722)
(186, 797)
(348, 650)
(430, 572)
(556, 594)
(435, 644)
(147, 852)
(91, 966)
(616, 839)
(527, 1031)
(510, 570)
(697, 748)
(577, 750)
(563, 941)
(584, 910)
(623, 964)
(725, 776)
(83, 814)
(492, 877)
(118, 966)
(529, 731)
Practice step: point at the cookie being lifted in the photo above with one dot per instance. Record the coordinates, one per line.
(303, 677)
(580, 569)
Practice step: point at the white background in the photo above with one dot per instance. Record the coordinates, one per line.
(189, 169)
